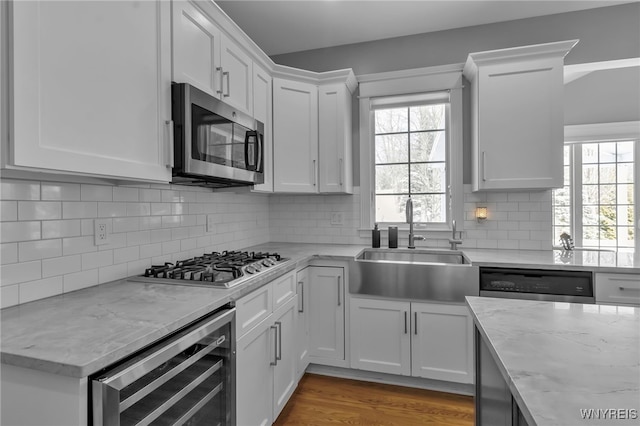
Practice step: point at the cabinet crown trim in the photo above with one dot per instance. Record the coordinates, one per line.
(557, 49)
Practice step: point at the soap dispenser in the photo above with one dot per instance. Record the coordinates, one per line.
(375, 237)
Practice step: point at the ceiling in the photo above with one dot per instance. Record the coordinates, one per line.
(295, 25)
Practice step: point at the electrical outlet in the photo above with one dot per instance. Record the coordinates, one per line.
(210, 223)
(101, 232)
(337, 218)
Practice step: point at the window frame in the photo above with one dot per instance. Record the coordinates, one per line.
(410, 82)
(576, 135)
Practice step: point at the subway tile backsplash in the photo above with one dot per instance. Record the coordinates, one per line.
(47, 242)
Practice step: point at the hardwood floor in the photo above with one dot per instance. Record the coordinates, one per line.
(322, 400)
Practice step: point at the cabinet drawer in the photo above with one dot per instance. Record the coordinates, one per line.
(253, 308)
(284, 288)
(618, 289)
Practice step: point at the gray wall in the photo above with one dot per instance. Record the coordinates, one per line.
(606, 33)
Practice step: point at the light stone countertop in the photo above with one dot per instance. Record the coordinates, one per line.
(559, 358)
(79, 333)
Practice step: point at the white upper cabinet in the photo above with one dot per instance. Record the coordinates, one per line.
(237, 76)
(196, 48)
(91, 88)
(295, 136)
(263, 111)
(517, 116)
(335, 164)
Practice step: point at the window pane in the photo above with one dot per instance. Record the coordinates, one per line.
(561, 196)
(608, 216)
(625, 151)
(589, 153)
(392, 149)
(589, 215)
(428, 146)
(625, 215)
(427, 117)
(392, 179)
(590, 174)
(562, 216)
(392, 120)
(567, 155)
(625, 236)
(608, 173)
(590, 235)
(589, 194)
(607, 194)
(625, 173)
(429, 208)
(567, 175)
(608, 152)
(390, 208)
(428, 178)
(625, 194)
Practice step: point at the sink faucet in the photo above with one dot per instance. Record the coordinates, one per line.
(453, 241)
(409, 211)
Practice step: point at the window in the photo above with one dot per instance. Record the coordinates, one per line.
(411, 161)
(596, 204)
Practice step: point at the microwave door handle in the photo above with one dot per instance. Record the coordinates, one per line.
(246, 150)
(258, 151)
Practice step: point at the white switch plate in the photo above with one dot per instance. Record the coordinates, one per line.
(337, 218)
(210, 223)
(101, 232)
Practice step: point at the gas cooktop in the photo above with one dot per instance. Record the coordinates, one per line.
(225, 269)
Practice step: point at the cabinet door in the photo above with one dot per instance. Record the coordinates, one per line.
(263, 111)
(442, 345)
(196, 48)
(92, 88)
(326, 312)
(285, 378)
(295, 136)
(302, 322)
(520, 125)
(618, 289)
(237, 76)
(380, 336)
(335, 170)
(255, 354)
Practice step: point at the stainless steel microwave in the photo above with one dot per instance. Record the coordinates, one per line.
(214, 145)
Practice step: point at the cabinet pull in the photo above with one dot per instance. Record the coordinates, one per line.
(341, 172)
(279, 352)
(170, 161)
(275, 346)
(628, 288)
(484, 165)
(314, 173)
(415, 323)
(301, 308)
(219, 69)
(228, 84)
(405, 322)
(339, 301)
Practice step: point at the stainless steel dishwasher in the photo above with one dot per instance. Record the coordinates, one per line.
(187, 378)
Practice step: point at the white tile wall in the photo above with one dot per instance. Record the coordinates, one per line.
(47, 243)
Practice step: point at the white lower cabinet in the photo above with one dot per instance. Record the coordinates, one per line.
(326, 315)
(266, 359)
(428, 340)
(302, 322)
(617, 289)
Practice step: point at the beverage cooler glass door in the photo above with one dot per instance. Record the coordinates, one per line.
(187, 379)
(217, 140)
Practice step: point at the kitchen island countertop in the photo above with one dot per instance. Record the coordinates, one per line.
(560, 358)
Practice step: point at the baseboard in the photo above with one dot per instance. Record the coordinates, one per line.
(392, 379)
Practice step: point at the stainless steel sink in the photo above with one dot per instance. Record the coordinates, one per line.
(413, 256)
(416, 274)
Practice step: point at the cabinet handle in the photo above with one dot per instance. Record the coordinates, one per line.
(339, 302)
(275, 346)
(219, 69)
(484, 165)
(301, 308)
(415, 323)
(170, 162)
(628, 288)
(279, 330)
(314, 173)
(341, 172)
(405, 322)
(228, 84)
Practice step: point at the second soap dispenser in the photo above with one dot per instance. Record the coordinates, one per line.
(375, 237)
